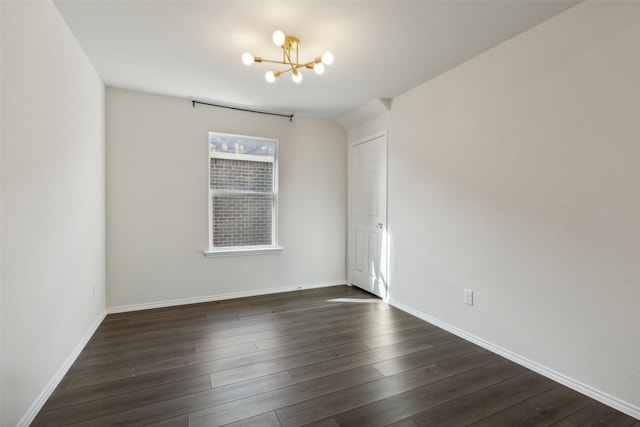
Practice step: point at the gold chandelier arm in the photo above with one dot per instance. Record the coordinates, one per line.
(287, 53)
(288, 70)
(273, 61)
(312, 63)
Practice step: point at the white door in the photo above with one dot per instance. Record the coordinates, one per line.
(368, 215)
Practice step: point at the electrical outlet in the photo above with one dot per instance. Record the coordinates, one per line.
(468, 296)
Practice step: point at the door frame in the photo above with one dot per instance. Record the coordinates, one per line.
(384, 260)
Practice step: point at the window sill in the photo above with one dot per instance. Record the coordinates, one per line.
(217, 252)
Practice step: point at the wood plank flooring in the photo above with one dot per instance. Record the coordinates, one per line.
(322, 357)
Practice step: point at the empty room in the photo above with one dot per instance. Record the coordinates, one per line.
(323, 213)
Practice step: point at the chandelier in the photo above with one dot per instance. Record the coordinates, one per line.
(290, 46)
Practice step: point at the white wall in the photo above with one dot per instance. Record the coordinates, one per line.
(517, 175)
(369, 128)
(52, 215)
(157, 171)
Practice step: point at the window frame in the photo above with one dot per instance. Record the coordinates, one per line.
(274, 247)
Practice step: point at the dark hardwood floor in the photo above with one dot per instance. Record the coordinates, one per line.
(322, 357)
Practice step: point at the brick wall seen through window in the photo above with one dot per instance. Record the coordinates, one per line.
(243, 191)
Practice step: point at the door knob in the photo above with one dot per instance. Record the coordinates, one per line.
(379, 225)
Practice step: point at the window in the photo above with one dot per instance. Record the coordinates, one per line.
(243, 194)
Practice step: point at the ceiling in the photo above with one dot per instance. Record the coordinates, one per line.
(193, 49)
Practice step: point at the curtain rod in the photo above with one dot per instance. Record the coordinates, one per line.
(289, 116)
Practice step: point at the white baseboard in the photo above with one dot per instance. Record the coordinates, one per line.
(33, 410)
(622, 406)
(220, 297)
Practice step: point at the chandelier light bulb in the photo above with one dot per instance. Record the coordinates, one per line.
(278, 38)
(270, 77)
(327, 58)
(318, 68)
(247, 58)
(296, 76)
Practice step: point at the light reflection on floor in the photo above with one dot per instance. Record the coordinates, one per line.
(358, 300)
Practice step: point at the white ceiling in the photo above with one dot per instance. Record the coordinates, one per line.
(382, 48)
